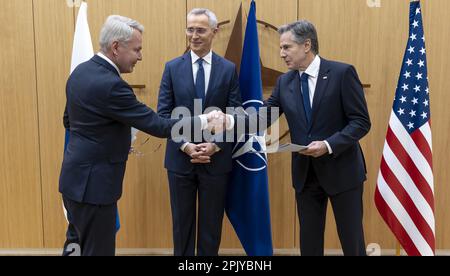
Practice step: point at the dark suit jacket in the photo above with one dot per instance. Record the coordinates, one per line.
(177, 89)
(100, 109)
(339, 115)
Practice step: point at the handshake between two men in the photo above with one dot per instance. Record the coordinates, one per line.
(218, 121)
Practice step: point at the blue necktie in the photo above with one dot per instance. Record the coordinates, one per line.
(200, 82)
(305, 95)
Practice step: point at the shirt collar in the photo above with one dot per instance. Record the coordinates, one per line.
(313, 68)
(100, 54)
(207, 58)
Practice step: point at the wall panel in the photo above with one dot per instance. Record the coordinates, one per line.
(53, 56)
(20, 194)
(436, 23)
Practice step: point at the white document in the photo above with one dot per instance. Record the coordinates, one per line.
(284, 148)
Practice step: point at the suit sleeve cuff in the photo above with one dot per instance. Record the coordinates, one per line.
(230, 126)
(204, 121)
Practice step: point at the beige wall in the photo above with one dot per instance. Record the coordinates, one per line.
(20, 169)
(35, 63)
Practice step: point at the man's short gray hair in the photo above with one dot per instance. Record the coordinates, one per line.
(212, 17)
(302, 30)
(118, 28)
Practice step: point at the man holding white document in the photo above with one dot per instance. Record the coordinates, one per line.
(327, 113)
(326, 110)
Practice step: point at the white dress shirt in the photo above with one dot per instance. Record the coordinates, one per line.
(100, 54)
(313, 73)
(207, 64)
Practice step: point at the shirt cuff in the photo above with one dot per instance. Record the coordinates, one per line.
(330, 151)
(217, 148)
(204, 121)
(231, 120)
(183, 146)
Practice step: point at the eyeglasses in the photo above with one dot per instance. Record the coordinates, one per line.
(199, 31)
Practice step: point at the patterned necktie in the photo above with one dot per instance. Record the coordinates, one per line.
(200, 82)
(305, 95)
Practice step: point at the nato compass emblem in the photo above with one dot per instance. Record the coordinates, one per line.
(249, 150)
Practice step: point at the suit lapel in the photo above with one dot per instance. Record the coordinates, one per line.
(321, 88)
(186, 73)
(294, 89)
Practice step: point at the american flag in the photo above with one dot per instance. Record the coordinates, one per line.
(404, 194)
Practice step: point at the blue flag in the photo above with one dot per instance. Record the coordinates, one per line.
(248, 196)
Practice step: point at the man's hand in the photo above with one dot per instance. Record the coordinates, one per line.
(207, 149)
(203, 150)
(217, 121)
(315, 149)
(196, 153)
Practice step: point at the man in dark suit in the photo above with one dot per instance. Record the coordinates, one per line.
(325, 108)
(198, 80)
(101, 107)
